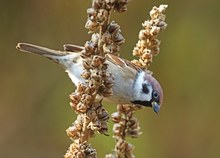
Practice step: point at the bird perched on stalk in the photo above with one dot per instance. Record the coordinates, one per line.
(132, 85)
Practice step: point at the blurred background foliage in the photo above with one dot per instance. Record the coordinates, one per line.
(34, 92)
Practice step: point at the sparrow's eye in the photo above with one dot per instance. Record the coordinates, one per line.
(155, 95)
(145, 88)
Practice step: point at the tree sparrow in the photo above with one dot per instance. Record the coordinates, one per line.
(132, 85)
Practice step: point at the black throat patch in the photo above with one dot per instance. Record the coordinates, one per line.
(144, 103)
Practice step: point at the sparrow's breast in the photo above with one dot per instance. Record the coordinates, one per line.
(123, 77)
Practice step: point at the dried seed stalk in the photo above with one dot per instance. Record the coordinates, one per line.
(92, 117)
(148, 44)
(125, 124)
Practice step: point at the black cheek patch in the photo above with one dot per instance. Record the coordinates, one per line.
(145, 88)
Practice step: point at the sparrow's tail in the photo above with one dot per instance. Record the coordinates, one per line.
(60, 57)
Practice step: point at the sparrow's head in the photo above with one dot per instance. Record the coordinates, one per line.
(147, 91)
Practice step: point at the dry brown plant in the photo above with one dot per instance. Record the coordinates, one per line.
(106, 38)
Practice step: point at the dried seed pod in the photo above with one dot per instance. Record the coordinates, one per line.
(121, 145)
(75, 97)
(143, 44)
(86, 99)
(91, 12)
(73, 105)
(109, 49)
(136, 62)
(106, 38)
(81, 107)
(73, 132)
(154, 42)
(101, 88)
(106, 49)
(113, 27)
(97, 61)
(132, 133)
(108, 84)
(162, 25)
(90, 152)
(110, 1)
(147, 24)
(102, 16)
(146, 56)
(115, 49)
(110, 156)
(91, 26)
(154, 30)
(136, 52)
(107, 93)
(154, 13)
(129, 149)
(110, 4)
(118, 38)
(133, 122)
(86, 54)
(80, 88)
(86, 65)
(73, 151)
(92, 90)
(95, 39)
(103, 128)
(97, 4)
(124, 108)
(155, 50)
(117, 129)
(86, 74)
(120, 6)
(116, 117)
(105, 66)
(89, 46)
(144, 34)
(97, 82)
(91, 114)
(95, 126)
(92, 84)
(103, 115)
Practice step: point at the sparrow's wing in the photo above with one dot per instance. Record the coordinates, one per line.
(123, 63)
(72, 48)
(112, 58)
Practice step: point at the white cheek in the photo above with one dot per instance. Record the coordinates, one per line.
(138, 83)
(138, 92)
(146, 97)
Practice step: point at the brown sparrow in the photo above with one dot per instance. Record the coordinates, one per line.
(132, 85)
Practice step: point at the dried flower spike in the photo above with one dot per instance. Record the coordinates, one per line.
(92, 117)
(125, 125)
(148, 44)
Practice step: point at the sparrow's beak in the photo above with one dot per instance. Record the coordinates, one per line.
(156, 107)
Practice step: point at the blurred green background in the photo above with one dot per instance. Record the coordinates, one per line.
(34, 91)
